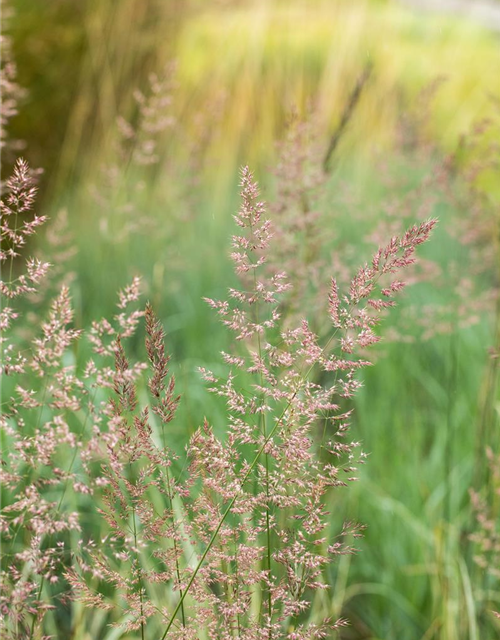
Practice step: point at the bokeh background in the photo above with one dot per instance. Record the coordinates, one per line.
(140, 113)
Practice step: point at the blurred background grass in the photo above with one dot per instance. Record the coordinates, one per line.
(241, 68)
(252, 60)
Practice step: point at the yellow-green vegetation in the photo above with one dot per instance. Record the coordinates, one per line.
(271, 56)
(253, 62)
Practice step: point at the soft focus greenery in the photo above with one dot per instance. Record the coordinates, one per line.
(241, 68)
(252, 61)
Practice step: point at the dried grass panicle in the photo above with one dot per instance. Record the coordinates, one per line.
(310, 244)
(52, 424)
(17, 225)
(50, 418)
(60, 250)
(134, 478)
(121, 185)
(44, 391)
(298, 214)
(289, 473)
(248, 520)
(253, 507)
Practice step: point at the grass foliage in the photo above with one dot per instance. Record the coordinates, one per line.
(153, 194)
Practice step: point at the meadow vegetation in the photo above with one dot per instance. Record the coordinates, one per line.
(195, 443)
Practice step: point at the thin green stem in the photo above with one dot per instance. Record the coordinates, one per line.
(264, 428)
(177, 569)
(237, 586)
(139, 569)
(268, 531)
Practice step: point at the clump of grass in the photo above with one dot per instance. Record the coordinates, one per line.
(238, 537)
(101, 510)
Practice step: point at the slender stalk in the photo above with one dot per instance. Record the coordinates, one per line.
(346, 115)
(268, 525)
(12, 257)
(136, 550)
(11, 266)
(237, 587)
(264, 428)
(268, 531)
(177, 569)
(139, 567)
